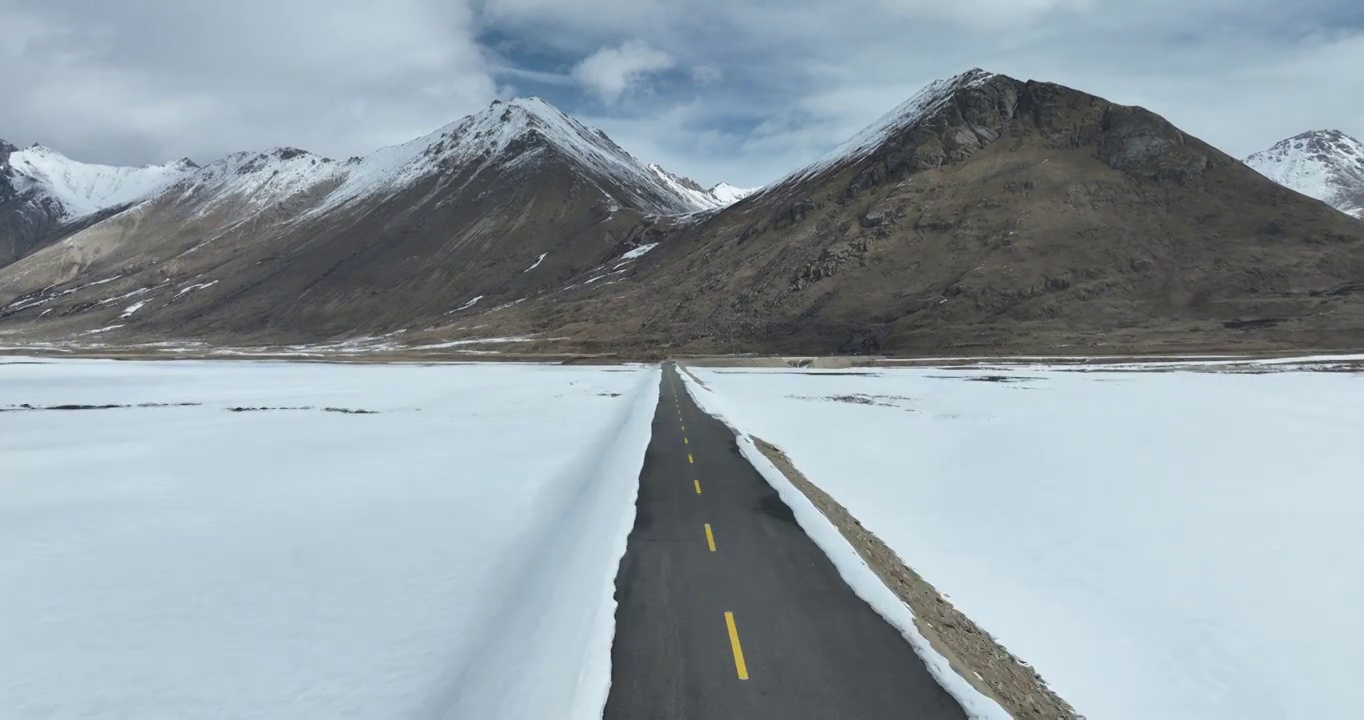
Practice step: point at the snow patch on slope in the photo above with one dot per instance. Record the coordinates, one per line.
(639, 251)
(85, 189)
(1325, 164)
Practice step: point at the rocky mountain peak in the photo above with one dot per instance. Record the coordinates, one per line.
(685, 182)
(1321, 142)
(1324, 164)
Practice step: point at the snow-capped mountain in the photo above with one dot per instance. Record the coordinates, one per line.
(519, 131)
(457, 214)
(727, 194)
(507, 135)
(82, 189)
(722, 195)
(1325, 164)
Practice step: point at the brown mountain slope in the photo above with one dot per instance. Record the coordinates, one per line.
(998, 215)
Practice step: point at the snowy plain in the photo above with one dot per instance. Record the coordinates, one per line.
(452, 555)
(1171, 544)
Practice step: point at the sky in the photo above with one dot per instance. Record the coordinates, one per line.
(742, 91)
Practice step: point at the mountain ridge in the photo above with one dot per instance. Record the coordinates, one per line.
(984, 213)
(277, 240)
(1001, 214)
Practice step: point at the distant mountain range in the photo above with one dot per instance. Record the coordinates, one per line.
(984, 214)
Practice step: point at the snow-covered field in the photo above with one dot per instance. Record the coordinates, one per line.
(452, 555)
(1171, 545)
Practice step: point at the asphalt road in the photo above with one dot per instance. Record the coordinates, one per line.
(727, 609)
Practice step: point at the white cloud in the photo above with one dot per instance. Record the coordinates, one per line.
(765, 85)
(705, 75)
(99, 80)
(609, 72)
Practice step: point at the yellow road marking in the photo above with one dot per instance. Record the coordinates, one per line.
(710, 538)
(698, 486)
(685, 441)
(690, 459)
(739, 665)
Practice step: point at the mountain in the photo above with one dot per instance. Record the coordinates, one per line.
(721, 195)
(1324, 164)
(727, 194)
(986, 214)
(43, 192)
(491, 209)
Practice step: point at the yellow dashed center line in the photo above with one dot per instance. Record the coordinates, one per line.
(685, 441)
(739, 665)
(710, 538)
(698, 486)
(690, 459)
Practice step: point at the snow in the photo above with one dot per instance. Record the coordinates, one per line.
(197, 286)
(699, 197)
(722, 195)
(922, 105)
(1156, 544)
(639, 251)
(1326, 164)
(84, 188)
(728, 194)
(125, 296)
(42, 298)
(258, 181)
(472, 302)
(132, 309)
(452, 556)
(537, 262)
(476, 341)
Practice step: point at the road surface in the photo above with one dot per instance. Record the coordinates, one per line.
(727, 610)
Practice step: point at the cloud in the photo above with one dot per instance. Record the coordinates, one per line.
(103, 81)
(799, 76)
(707, 75)
(609, 72)
(741, 91)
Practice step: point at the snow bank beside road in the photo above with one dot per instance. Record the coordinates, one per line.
(1173, 545)
(451, 556)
